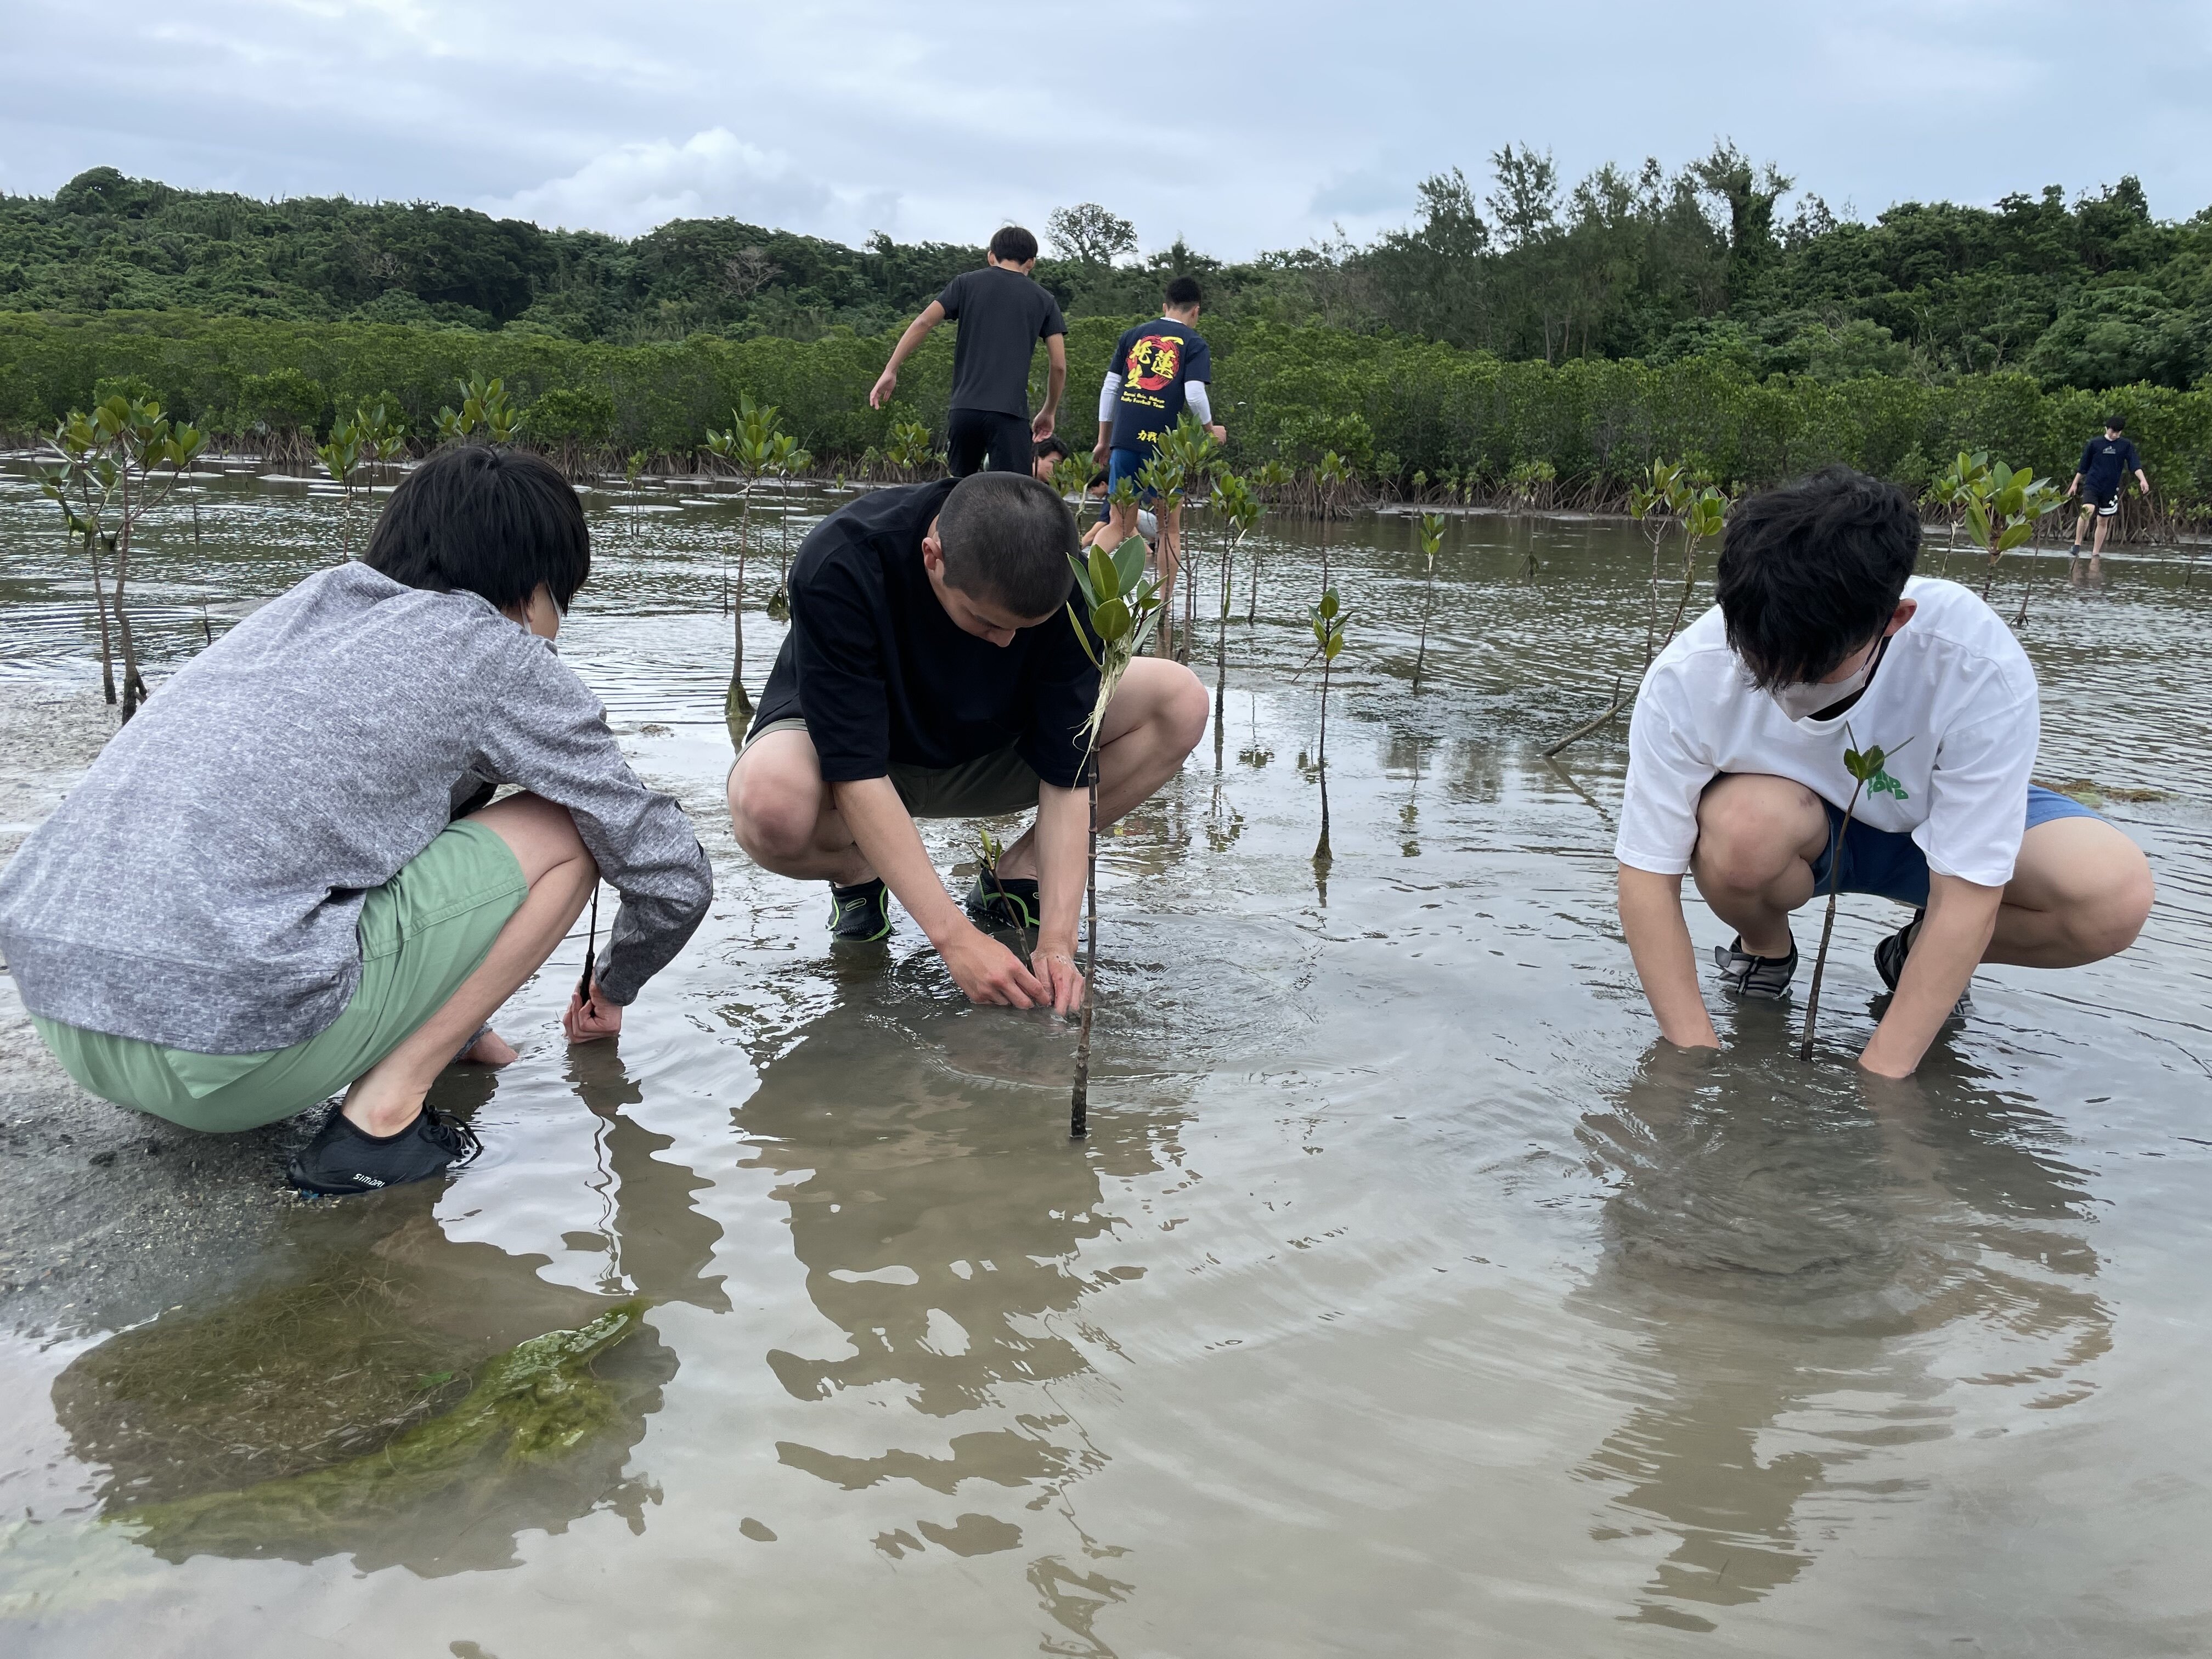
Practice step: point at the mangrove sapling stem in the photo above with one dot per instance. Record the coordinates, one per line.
(1432, 535)
(1078, 1109)
(1603, 717)
(1322, 853)
(1828, 923)
(100, 603)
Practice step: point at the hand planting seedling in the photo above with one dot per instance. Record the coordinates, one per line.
(1328, 618)
(1120, 605)
(1433, 541)
(1867, 776)
(110, 474)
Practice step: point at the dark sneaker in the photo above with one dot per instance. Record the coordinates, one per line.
(861, 914)
(342, 1158)
(1889, 961)
(1746, 975)
(1008, 902)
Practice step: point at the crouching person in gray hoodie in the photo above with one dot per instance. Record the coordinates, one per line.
(272, 888)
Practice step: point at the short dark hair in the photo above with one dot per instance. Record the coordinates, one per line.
(479, 520)
(1007, 536)
(1811, 571)
(2115, 423)
(1184, 291)
(1013, 246)
(1053, 447)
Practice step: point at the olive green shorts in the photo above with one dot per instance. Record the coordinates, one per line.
(422, 933)
(1000, 782)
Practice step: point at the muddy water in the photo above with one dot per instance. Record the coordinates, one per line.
(1403, 1301)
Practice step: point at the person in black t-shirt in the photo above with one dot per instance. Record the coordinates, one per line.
(932, 671)
(2106, 464)
(1160, 368)
(1002, 312)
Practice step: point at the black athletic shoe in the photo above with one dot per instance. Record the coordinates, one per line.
(1889, 961)
(1009, 902)
(861, 914)
(342, 1158)
(1746, 975)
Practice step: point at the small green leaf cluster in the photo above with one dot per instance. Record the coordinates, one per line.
(1328, 618)
(1432, 537)
(1118, 599)
(486, 409)
(2002, 505)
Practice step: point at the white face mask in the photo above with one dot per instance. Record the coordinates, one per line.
(1803, 701)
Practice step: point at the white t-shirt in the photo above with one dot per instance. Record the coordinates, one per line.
(1952, 702)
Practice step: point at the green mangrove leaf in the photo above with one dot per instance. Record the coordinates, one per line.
(1128, 564)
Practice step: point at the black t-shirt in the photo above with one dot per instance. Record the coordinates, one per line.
(2104, 463)
(1154, 360)
(1002, 315)
(881, 674)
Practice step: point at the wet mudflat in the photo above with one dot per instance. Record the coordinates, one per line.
(1403, 1300)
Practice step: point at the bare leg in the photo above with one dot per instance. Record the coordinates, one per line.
(784, 815)
(2080, 892)
(1757, 839)
(2097, 547)
(388, 1097)
(1157, 717)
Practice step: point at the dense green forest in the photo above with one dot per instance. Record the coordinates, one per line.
(1643, 264)
(1586, 329)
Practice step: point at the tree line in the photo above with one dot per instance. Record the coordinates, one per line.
(1720, 259)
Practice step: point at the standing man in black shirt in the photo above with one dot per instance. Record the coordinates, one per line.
(1002, 312)
(932, 671)
(2106, 464)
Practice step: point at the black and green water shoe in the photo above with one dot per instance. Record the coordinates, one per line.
(861, 914)
(1011, 902)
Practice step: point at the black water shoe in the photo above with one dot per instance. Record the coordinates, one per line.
(344, 1158)
(1003, 902)
(1889, 962)
(860, 914)
(1744, 974)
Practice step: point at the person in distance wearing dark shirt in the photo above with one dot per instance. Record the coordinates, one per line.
(2106, 464)
(932, 671)
(1002, 312)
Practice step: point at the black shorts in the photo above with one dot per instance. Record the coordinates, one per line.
(971, 434)
(2106, 502)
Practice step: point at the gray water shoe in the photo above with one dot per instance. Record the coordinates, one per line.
(1746, 975)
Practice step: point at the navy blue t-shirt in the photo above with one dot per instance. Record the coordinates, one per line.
(1154, 360)
(2104, 463)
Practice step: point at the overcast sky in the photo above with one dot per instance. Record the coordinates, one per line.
(1240, 126)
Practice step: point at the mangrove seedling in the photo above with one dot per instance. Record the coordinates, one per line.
(486, 412)
(908, 448)
(633, 464)
(1432, 541)
(786, 460)
(1328, 619)
(339, 456)
(1951, 491)
(2003, 507)
(1868, 775)
(1269, 479)
(111, 474)
(1239, 507)
(1120, 605)
(749, 445)
(1164, 479)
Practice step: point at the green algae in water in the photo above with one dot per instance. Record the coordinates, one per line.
(531, 1405)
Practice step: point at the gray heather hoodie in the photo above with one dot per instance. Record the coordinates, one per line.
(202, 887)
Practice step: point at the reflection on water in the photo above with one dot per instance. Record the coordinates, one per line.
(1400, 1303)
(1778, 1254)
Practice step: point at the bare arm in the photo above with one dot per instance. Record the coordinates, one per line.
(916, 332)
(1055, 383)
(2143, 479)
(1063, 845)
(1961, 916)
(1659, 940)
(884, 833)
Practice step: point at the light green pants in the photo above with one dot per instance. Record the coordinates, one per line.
(422, 933)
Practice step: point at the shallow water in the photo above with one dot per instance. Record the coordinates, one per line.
(1403, 1299)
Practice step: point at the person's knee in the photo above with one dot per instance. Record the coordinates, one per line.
(1747, 838)
(2107, 920)
(1184, 709)
(774, 824)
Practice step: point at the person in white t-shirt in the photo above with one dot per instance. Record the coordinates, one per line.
(1824, 640)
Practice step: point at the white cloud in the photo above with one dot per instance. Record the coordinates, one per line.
(635, 186)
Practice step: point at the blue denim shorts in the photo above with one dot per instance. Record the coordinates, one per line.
(1126, 463)
(1890, 864)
